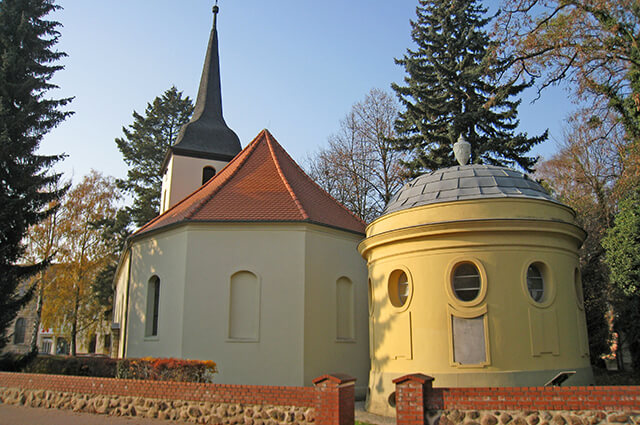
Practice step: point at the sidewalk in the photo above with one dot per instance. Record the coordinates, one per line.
(370, 418)
(21, 415)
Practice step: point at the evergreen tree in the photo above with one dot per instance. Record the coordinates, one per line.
(144, 147)
(452, 89)
(27, 63)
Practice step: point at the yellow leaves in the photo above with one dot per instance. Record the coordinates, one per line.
(81, 253)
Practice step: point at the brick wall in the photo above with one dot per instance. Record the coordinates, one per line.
(416, 399)
(332, 396)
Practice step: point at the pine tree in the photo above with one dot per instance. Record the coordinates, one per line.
(27, 63)
(144, 147)
(452, 89)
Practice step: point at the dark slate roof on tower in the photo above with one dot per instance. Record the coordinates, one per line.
(466, 182)
(261, 184)
(207, 134)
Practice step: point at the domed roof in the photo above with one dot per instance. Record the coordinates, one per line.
(466, 182)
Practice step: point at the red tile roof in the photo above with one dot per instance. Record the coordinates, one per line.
(261, 184)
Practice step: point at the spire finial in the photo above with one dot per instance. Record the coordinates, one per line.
(462, 150)
(215, 10)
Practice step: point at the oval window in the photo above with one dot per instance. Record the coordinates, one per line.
(535, 282)
(398, 288)
(466, 281)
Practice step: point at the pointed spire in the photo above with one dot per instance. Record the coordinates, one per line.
(207, 135)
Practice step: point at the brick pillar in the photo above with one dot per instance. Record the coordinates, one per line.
(335, 399)
(411, 398)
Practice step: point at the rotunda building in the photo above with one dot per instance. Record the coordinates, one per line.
(474, 280)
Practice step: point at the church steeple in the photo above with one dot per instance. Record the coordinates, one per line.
(207, 135)
(205, 144)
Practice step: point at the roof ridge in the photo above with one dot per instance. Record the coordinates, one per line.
(321, 189)
(283, 177)
(203, 187)
(251, 147)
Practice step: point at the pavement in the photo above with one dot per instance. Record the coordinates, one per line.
(21, 415)
(366, 417)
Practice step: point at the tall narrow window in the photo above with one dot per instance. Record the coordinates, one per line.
(153, 301)
(344, 309)
(18, 333)
(207, 173)
(92, 344)
(244, 307)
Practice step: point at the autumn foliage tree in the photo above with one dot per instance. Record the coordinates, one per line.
(70, 305)
(585, 174)
(592, 44)
(360, 167)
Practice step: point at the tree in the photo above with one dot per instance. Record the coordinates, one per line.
(451, 89)
(70, 303)
(27, 64)
(593, 44)
(42, 242)
(360, 168)
(584, 174)
(144, 147)
(622, 245)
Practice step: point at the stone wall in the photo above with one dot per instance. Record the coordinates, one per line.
(187, 411)
(418, 403)
(329, 402)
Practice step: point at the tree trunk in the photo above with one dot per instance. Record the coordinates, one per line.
(36, 321)
(74, 322)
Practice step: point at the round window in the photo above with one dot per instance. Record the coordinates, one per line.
(398, 288)
(466, 281)
(535, 282)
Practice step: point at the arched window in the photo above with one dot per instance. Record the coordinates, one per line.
(344, 309)
(18, 333)
(244, 307)
(153, 302)
(207, 173)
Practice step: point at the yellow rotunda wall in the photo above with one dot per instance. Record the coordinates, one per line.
(500, 338)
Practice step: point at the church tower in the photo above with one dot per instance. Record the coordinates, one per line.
(205, 144)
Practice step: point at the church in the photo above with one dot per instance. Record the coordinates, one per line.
(471, 274)
(249, 264)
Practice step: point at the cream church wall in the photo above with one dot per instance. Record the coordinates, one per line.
(120, 302)
(189, 170)
(162, 255)
(332, 254)
(275, 254)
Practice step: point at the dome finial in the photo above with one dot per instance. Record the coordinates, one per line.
(462, 150)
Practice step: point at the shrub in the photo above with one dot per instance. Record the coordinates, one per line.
(12, 362)
(99, 367)
(166, 369)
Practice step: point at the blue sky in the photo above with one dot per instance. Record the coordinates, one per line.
(292, 66)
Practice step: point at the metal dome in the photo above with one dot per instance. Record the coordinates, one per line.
(461, 183)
